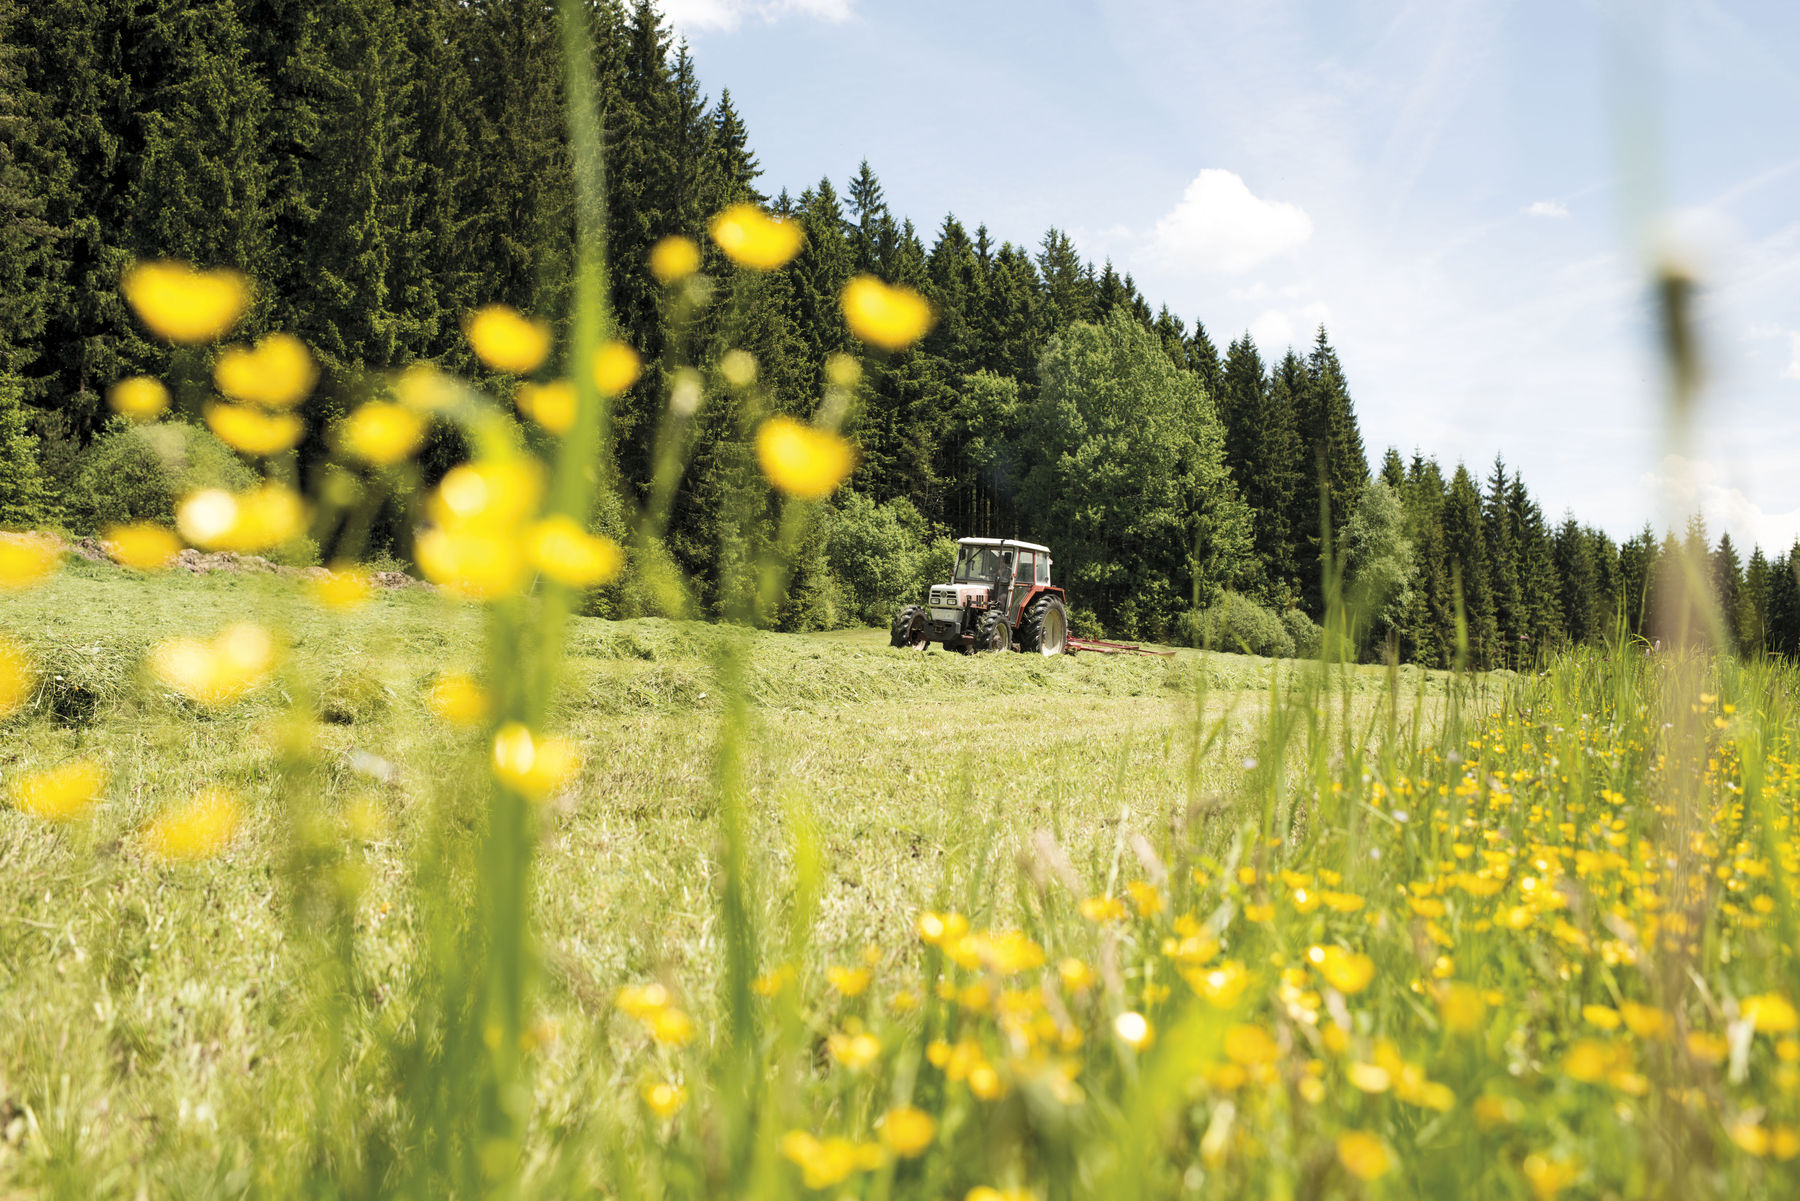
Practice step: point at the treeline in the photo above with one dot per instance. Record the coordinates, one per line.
(382, 167)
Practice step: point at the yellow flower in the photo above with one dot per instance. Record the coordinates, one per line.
(1645, 1021)
(1363, 1155)
(802, 461)
(381, 433)
(1076, 975)
(936, 929)
(507, 340)
(771, 983)
(277, 374)
(196, 830)
(1221, 986)
(985, 1192)
(848, 981)
(457, 699)
(1248, 1045)
(892, 318)
(1770, 1013)
(491, 493)
(823, 1164)
(854, 1051)
(139, 398)
(261, 519)
(551, 405)
(141, 546)
(1145, 897)
(60, 793)
(642, 1001)
(1602, 1016)
(568, 554)
(752, 238)
(235, 663)
(531, 765)
(15, 676)
(27, 560)
(425, 388)
(1345, 971)
(1588, 1060)
(671, 1027)
(907, 1131)
(674, 259)
(252, 431)
(184, 305)
(616, 367)
(738, 367)
(343, 589)
(1462, 1008)
(1134, 1030)
(663, 1099)
(1369, 1077)
(1546, 1176)
(473, 564)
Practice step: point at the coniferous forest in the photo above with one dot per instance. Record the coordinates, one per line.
(380, 168)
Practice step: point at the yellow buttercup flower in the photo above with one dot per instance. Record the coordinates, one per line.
(199, 829)
(663, 1099)
(490, 494)
(253, 431)
(1248, 1045)
(534, 765)
(854, 1051)
(205, 518)
(184, 305)
(752, 238)
(1770, 1013)
(458, 700)
(1462, 1008)
(27, 560)
(141, 546)
(15, 676)
(1363, 1155)
(801, 460)
(674, 259)
(568, 554)
(507, 340)
(425, 388)
(263, 518)
(343, 589)
(61, 793)
(849, 981)
(616, 367)
(381, 433)
(1134, 1030)
(1345, 971)
(474, 563)
(671, 1027)
(235, 663)
(278, 373)
(908, 1132)
(891, 317)
(551, 405)
(824, 1164)
(139, 398)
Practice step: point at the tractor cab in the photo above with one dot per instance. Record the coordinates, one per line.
(999, 597)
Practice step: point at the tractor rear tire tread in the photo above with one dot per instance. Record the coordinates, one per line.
(1031, 629)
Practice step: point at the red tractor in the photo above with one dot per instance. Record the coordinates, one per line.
(999, 598)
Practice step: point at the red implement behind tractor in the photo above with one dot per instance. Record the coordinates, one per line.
(999, 598)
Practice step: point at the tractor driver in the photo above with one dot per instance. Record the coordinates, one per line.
(1003, 575)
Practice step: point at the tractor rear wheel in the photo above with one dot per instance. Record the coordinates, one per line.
(1045, 630)
(993, 634)
(908, 628)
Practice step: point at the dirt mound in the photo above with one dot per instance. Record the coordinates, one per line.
(198, 562)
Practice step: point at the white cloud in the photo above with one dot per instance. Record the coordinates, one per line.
(1792, 371)
(693, 15)
(1278, 329)
(1546, 208)
(1219, 225)
(1687, 486)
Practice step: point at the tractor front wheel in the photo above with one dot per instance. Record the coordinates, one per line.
(994, 634)
(1045, 630)
(908, 628)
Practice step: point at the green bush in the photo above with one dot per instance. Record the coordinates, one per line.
(1305, 632)
(1237, 624)
(137, 472)
(880, 557)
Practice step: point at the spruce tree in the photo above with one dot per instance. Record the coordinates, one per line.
(1262, 448)
(1465, 538)
(23, 500)
(1727, 585)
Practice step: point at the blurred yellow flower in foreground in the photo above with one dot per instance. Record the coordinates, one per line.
(139, 398)
(1547, 1176)
(1770, 1013)
(15, 676)
(674, 259)
(253, 431)
(456, 698)
(532, 765)
(1345, 971)
(907, 1131)
(752, 238)
(196, 830)
(664, 1099)
(492, 493)
(802, 461)
(261, 519)
(425, 388)
(616, 367)
(854, 1051)
(473, 563)
(341, 588)
(892, 318)
(823, 1164)
(1133, 1029)
(60, 793)
(277, 373)
(141, 546)
(568, 554)
(551, 405)
(27, 560)
(184, 305)
(848, 981)
(507, 340)
(235, 663)
(381, 433)
(1363, 1155)
(1462, 1008)
(738, 367)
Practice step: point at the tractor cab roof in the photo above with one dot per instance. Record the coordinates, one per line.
(1013, 542)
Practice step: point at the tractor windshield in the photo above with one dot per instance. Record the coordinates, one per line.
(977, 564)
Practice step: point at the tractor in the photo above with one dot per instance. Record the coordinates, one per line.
(999, 598)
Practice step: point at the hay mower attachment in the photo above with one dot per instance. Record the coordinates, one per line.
(1101, 646)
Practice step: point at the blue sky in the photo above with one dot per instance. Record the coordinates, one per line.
(1467, 192)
